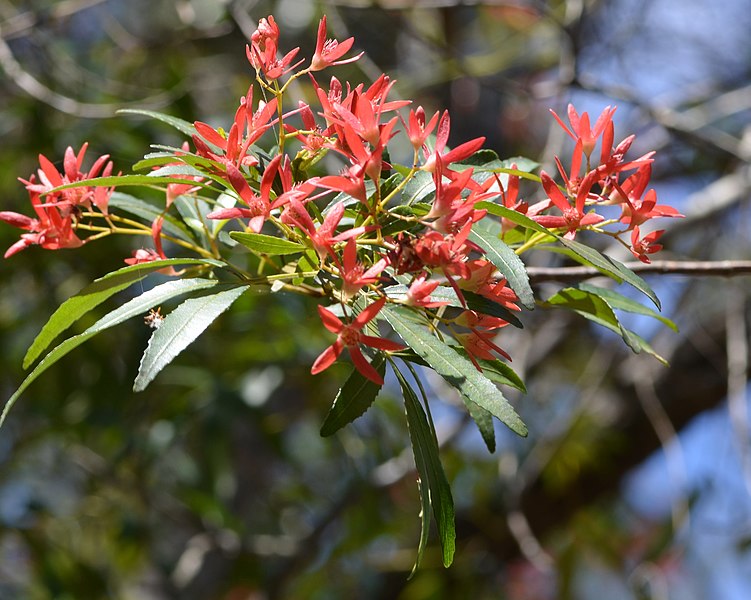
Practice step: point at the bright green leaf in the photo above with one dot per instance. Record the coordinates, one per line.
(179, 328)
(513, 216)
(94, 294)
(486, 234)
(266, 244)
(177, 123)
(610, 266)
(136, 306)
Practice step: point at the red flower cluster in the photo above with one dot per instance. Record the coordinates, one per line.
(588, 184)
(58, 213)
(373, 243)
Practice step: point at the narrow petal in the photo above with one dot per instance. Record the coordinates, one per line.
(363, 366)
(330, 320)
(326, 358)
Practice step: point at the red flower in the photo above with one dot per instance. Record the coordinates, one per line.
(573, 217)
(328, 52)
(646, 245)
(51, 230)
(351, 336)
(322, 238)
(353, 274)
(50, 178)
(419, 292)
(259, 206)
(581, 130)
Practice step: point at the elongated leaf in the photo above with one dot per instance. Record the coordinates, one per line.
(484, 421)
(266, 244)
(621, 302)
(432, 476)
(611, 267)
(125, 180)
(514, 217)
(94, 294)
(595, 308)
(459, 372)
(418, 188)
(180, 328)
(173, 169)
(591, 306)
(176, 122)
(132, 308)
(474, 302)
(149, 212)
(353, 399)
(486, 234)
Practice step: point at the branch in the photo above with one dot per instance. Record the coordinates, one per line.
(714, 268)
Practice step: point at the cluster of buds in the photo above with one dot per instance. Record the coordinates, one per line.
(372, 240)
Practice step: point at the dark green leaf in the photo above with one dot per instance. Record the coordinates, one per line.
(179, 328)
(486, 234)
(611, 267)
(473, 386)
(136, 306)
(94, 294)
(266, 244)
(353, 399)
(432, 476)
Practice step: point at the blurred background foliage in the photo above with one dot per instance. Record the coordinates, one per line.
(214, 482)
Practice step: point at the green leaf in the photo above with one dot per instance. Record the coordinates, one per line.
(353, 399)
(177, 123)
(94, 294)
(179, 328)
(621, 302)
(610, 266)
(499, 372)
(266, 244)
(595, 308)
(484, 421)
(484, 305)
(418, 188)
(136, 306)
(474, 301)
(432, 477)
(591, 306)
(459, 372)
(514, 217)
(486, 234)
(126, 180)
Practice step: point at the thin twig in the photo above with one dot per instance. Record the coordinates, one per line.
(713, 268)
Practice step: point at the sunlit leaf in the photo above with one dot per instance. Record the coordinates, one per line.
(610, 266)
(486, 234)
(621, 302)
(137, 306)
(178, 330)
(595, 308)
(266, 244)
(94, 294)
(179, 124)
